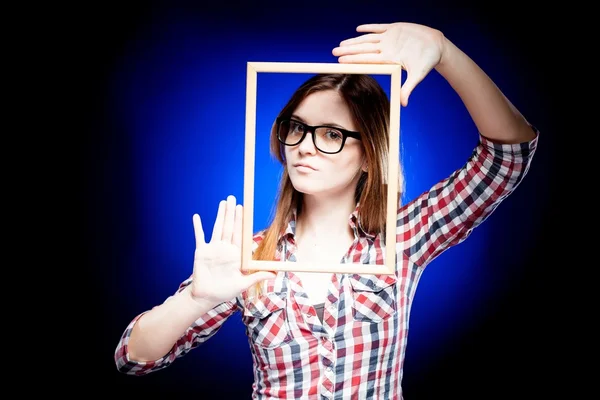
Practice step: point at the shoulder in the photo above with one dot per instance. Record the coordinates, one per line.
(258, 238)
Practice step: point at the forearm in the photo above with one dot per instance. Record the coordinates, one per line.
(493, 114)
(158, 330)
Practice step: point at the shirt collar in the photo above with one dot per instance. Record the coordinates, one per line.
(353, 221)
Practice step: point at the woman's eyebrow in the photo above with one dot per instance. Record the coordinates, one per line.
(331, 124)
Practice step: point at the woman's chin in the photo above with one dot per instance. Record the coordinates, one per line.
(304, 187)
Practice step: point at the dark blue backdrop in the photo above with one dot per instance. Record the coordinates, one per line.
(167, 141)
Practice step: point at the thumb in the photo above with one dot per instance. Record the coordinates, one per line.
(412, 80)
(256, 277)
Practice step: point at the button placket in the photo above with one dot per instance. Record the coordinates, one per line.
(327, 360)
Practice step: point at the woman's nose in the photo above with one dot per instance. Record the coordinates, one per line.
(306, 145)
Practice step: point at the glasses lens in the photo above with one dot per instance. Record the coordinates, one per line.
(290, 132)
(329, 140)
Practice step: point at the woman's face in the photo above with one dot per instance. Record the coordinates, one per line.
(313, 172)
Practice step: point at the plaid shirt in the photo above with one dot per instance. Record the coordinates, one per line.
(357, 352)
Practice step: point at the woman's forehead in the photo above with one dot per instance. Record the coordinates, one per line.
(325, 108)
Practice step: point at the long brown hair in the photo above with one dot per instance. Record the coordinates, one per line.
(369, 107)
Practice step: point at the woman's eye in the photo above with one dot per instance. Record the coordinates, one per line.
(334, 135)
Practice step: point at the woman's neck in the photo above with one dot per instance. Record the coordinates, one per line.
(325, 217)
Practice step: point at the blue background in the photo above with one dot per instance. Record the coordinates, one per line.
(166, 140)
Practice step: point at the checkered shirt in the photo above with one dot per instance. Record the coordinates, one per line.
(358, 351)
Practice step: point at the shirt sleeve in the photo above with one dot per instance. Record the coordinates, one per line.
(200, 331)
(446, 214)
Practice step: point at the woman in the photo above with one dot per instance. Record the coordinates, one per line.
(316, 335)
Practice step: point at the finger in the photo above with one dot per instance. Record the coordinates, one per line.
(237, 230)
(413, 78)
(368, 38)
(198, 231)
(254, 278)
(367, 58)
(375, 28)
(218, 226)
(360, 48)
(229, 220)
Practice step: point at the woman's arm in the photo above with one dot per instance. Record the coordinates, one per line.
(445, 215)
(493, 114)
(154, 339)
(155, 333)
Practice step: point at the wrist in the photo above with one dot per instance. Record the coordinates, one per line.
(196, 305)
(447, 55)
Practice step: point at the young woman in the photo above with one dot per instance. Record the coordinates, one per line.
(320, 335)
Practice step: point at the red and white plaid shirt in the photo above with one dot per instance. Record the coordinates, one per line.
(357, 352)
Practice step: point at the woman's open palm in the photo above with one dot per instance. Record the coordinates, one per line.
(217, 275)
(417, 48)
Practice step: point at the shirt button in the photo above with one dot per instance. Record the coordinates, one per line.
(309, 315)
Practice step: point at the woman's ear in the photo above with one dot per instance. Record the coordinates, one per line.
(365, 167)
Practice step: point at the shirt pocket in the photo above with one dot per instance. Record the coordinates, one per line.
(266, 320)
(373, 297)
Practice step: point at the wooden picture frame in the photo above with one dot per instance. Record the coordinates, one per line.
(253, 68)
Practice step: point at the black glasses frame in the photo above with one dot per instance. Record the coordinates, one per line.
(309, 128)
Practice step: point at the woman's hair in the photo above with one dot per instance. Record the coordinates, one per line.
(369, 107)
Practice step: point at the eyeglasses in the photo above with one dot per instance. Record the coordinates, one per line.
(326, 139)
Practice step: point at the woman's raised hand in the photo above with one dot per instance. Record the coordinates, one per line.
(217, 275)
(417, 48)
